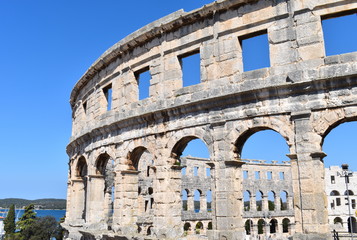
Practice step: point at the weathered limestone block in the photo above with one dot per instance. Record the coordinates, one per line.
(302, 95)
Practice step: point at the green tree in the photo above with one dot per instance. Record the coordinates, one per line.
(26, 220)
(58, 234)
(9, 222)
(42, 228)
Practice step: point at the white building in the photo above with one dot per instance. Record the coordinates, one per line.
(336, 191)
(2, 232)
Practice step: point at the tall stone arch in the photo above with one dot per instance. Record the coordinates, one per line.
(245, 129)
(78, 191)
(101, 183)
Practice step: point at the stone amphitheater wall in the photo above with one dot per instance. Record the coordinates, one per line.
(302, 95)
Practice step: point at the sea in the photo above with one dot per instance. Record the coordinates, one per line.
(58, 214)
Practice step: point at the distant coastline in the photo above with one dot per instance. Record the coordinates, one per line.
(44, 203)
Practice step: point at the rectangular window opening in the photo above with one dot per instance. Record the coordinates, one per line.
(353, 204)
(191, 68)
(269, 175)
(152, 203)
(338, 201)
(148, 171)
(146, 205)
(84, 105)
(257, 175)
(108, 96)
(339, 37)
(245, 174)
(208, 172)
(255, 50)
(333, 179)
(281, 175)
(143, 78)
(195, 171)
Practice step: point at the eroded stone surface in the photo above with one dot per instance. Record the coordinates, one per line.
(302, 95)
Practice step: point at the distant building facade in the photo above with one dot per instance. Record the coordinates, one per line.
(268, 197)
(267, 194)
(336, 191)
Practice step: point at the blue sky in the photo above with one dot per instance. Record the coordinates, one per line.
(45, 47)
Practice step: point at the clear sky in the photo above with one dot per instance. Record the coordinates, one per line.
(45, 47)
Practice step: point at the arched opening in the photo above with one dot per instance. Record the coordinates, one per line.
(246, 198)
(286, 225)
(141, 162)
(101, 164)
(189, 146)
(334, 193)
(272, 146)
(192, 155)
(105, 169)
(199, 227)
(259, 200)
(248, 226)
(271, 201)
(259, 147)
(273, 225)
(82, 168)
(338, 221)
(352, 226)
(209, 226)
(134, 158)
(349, 192)
(187, 226)
(339, 144)
(149, 231)
(261, 224)
(80, 188)
(197, 198)
(283, 200)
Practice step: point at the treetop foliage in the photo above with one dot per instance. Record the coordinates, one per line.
(27, 218)
(9, 222)
(31, 227)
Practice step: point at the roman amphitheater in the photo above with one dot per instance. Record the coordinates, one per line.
(125, 178)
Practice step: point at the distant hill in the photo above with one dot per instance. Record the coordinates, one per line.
(45, 203)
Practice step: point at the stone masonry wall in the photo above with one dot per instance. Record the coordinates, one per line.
(301, 95)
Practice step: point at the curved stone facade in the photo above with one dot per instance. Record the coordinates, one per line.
(125, 171)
